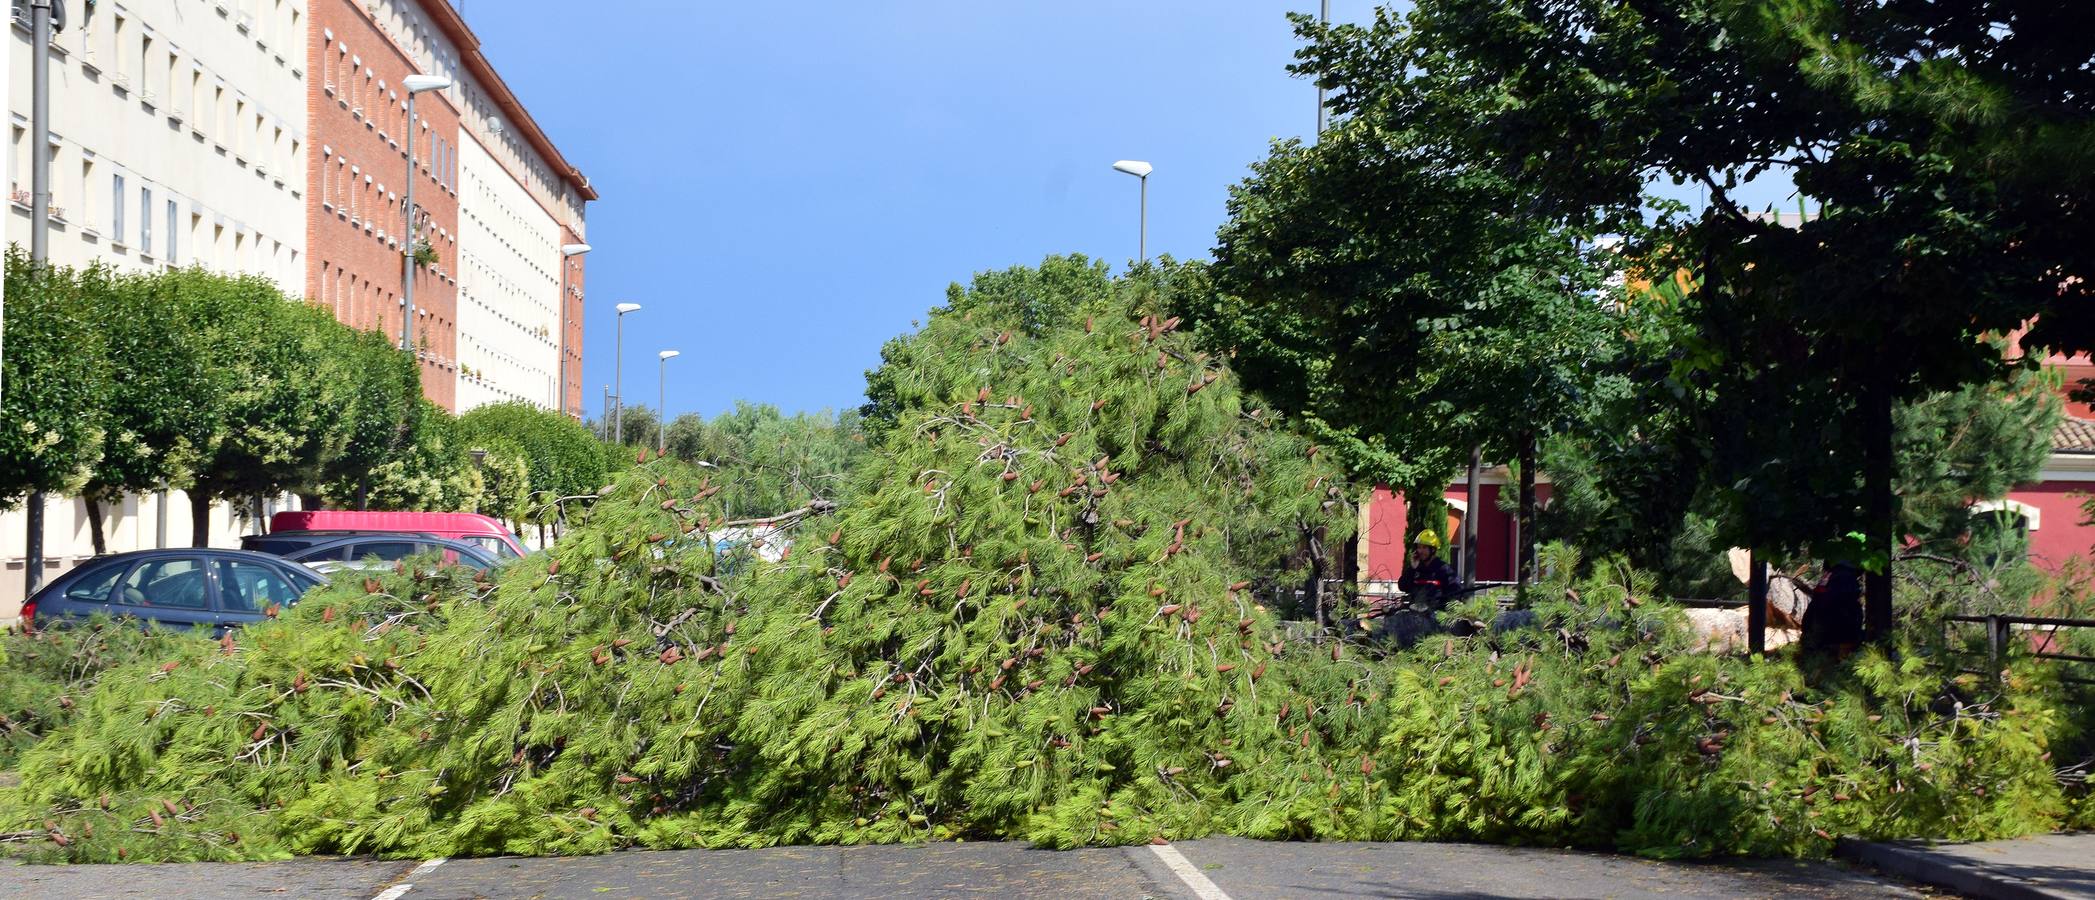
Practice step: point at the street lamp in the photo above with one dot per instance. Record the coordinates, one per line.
(662, 402)
(567, 252)
(413, 84)
(618, 375)
(1140, 170)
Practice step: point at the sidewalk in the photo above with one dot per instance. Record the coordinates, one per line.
(2048, 867)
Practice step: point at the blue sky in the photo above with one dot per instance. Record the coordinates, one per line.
(785, 186)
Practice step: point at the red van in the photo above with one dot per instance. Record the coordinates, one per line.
(472, 528)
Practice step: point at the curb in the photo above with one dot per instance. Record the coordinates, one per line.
(1914, 861)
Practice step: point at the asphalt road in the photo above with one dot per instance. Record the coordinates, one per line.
(1206, 870)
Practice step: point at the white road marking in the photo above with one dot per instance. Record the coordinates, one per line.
(400, 890)
(1178, 864)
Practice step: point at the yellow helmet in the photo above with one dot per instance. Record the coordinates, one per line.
(1427, 538)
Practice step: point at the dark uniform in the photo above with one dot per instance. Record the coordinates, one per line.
(1429, 580)
(1833, 621)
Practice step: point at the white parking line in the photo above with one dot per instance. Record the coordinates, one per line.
(400, 890)
(1179, 865)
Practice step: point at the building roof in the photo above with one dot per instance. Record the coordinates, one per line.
(2073, 436)
(453, 23)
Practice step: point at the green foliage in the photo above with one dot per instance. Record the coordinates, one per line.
(44, 675)
(1368, 284)
(1030, 623)
(773, 462)
(56, 377)
(1626, 484)
(154, 412)
(562, 458)
(276, 382)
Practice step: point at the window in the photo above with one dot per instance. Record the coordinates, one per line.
(87, 181)
(173, 217)
(145, 219)
(252, 587)
(117, 37)
(165, 583)
(116, 218)
(95, 587)
(145, 67)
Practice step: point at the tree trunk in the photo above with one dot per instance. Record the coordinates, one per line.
(94, 524)
(1876, 486)
(1527, 509)
(1316, 577)
(199, 517)
(1756, 604)
(1473, 498)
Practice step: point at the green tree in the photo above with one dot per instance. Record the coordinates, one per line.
(562, 458)
(57, 378)
(381, 415)
(773, 462)
(1403, 300)
(1944, 151)
(273, 382)
(157, 360)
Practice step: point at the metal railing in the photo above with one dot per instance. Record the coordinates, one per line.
(2001, 628)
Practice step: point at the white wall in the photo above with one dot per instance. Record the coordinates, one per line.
(508, 287)
(200, 102)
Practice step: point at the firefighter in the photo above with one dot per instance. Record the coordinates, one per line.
(1426, 576)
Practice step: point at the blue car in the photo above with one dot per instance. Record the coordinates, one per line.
(196, 589)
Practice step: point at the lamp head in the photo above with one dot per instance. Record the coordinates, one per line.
(416, 84)
(668, 354)
(573, 249)
(624, 308)
(1134, 167)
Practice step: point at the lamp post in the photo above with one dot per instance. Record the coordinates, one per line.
(662, 402)
(413, 84)
(1140, 170)
(40, 24)
(1323, 18)
(618, 375)
(567, 254)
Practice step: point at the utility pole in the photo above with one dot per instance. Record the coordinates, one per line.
(39, 234)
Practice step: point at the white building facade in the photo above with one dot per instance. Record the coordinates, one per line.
(177, 139)
(177, 136)
(508, 287)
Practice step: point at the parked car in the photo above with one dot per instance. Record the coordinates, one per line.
(366, 551)
(187, 589)
(285, 543)
(472, 528)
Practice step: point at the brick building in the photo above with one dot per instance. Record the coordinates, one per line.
(356, 226)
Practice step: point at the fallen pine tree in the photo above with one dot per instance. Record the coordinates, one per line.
(1032, 622)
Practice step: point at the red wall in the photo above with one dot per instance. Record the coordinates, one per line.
(2060, 533)
(1496, 531)
(357, 131)
(1386, 518)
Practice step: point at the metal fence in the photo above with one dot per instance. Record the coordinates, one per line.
(2000, 631)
